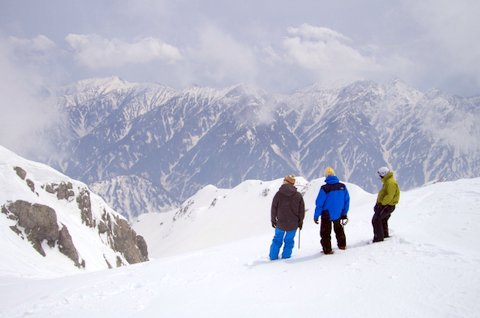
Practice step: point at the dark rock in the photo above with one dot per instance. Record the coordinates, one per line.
(125, 242)
(20, 172)
(50, 188)
(142, 245)
(64, 191)
(31, 185)
(85, 206)
(102, 227)
(39, 223)
(15, 229)
(66, 246)
(106, 261)
(119, 261)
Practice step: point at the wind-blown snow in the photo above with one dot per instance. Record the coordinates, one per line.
(214, 263)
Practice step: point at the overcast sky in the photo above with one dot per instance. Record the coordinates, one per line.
(277, 45)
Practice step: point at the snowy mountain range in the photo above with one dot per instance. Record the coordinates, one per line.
(210, 259)
(147, 148)
(51, 223)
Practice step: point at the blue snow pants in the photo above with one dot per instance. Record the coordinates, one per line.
(280, 237)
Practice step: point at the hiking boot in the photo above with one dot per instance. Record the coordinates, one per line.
(342, 247)
(327, 252)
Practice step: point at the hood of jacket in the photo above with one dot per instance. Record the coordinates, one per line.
(287, 189)
(331, 180)
(387, 176)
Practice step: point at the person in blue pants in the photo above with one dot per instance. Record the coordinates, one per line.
(287, 214)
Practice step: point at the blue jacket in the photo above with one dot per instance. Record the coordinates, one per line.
(334, 198)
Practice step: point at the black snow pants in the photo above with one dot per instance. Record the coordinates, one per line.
(380, 221)
(326, 230)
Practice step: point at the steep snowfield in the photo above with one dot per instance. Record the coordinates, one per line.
(215, 263)
(18, 257)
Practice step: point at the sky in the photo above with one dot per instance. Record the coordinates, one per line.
(279, 46)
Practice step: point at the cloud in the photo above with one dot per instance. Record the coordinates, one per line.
(328, 53)
(96, 52)
(218, 58)
(37, 49)
(453, 26)
(25, 107)
(40, 43)
(451, 50)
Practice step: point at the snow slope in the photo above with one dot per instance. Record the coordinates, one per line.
(428, 268)
(18, 256)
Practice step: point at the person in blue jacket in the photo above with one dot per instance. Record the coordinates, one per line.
(332, 204)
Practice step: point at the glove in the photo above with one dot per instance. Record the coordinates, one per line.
(315, 220)
(300, 226)
(344, 217)
(274, 224)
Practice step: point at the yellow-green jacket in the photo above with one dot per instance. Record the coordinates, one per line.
(390, 192)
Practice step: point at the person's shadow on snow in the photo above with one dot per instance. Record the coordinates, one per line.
(255, 263)
(304, 258)
(320, 254)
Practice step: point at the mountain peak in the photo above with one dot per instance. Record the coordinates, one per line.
(243, 89)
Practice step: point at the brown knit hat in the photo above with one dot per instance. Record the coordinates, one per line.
(290, 179)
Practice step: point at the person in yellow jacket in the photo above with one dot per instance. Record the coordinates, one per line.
(387, 199)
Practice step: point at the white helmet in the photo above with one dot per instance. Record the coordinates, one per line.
(382, 172)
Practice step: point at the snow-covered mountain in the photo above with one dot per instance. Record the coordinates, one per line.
(139, 143)
(217, 263)
(51, 223)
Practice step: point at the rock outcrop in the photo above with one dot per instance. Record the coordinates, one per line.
(40, 223)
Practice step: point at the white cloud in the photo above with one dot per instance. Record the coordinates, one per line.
(39, 43)
(25, 109)
(327, 53)
(221, 58)
(450, 32)
(97, 52)
(36, 49)
(312, 33)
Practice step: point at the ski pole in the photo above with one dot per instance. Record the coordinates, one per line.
(299, 231)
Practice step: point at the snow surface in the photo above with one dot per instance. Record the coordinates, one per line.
(212, 262)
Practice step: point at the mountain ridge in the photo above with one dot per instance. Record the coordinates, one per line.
(178, 141)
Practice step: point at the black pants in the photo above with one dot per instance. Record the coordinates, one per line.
(380, 221)
(326, 229)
